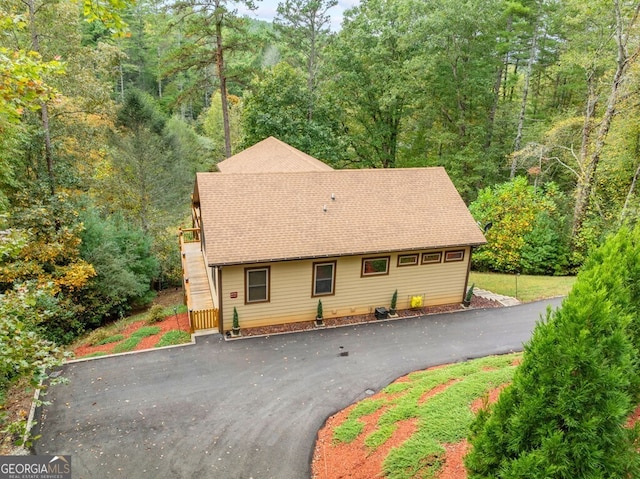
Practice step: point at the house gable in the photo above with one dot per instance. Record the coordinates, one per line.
(271, 155)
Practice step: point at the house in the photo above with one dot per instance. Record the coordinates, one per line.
(275, 242)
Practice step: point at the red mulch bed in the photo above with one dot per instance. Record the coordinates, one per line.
(354, 461)
(180, 321)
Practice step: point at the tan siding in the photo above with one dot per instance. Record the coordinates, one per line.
(291, 288)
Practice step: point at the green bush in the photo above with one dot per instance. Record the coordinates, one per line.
(524, 227)
(156, 314)
(565, 413)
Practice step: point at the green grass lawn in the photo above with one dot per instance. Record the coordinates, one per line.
(524, 287)
(442, 418)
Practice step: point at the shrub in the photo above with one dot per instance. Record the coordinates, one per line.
(564, 415)
(523, 227)
(156, 314)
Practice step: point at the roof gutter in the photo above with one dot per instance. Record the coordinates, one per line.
(340, 255)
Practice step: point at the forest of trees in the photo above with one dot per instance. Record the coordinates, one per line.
(108, 108)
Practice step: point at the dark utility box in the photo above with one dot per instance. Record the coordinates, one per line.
(382, 313)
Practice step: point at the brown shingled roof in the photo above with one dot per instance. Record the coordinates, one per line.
(250, 218)
(271, 155)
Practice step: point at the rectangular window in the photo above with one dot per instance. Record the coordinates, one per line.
(375, 266)
(324, 278)
(407, 259)
(257, 285)
(430, 258)
(457, 255)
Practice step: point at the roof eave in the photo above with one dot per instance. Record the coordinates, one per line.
(338, 255)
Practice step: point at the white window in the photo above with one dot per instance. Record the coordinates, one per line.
(256, 285)
(324, 276)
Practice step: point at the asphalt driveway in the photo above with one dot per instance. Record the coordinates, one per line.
(250, 408)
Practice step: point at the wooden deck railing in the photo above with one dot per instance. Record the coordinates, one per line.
(205, 319)
(189, 235)
(198, 319)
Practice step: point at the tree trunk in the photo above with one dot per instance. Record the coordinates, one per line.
(504, 66)
(591, 160)
(632, 188)
(223, 89)
(311, 74)
(44, 110)
(48, 150)
(525, 95)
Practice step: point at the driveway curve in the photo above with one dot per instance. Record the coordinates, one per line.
(250, 409)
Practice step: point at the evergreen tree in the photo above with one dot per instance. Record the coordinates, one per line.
(564, 415)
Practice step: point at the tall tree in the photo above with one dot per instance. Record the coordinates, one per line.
(140, 176)
(625, 18)
(374, 76)
(212, 30)
(305, 27)
(278, 107)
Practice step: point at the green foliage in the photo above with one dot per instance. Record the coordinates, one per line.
(394, 300)
(22, 74)
(145, 331)
(380, 436)
(347, 431)
(371, 63)
(319, 312)
(279, 105)
(236, 320)
(127, 345)
(109, 339)
(156, 314)
(174, 337)
(523, 227)
(211, 121)
(366, 407)
(23, 352)
(42, 250)
(124, 266)
(438, 399)
(565, 413)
